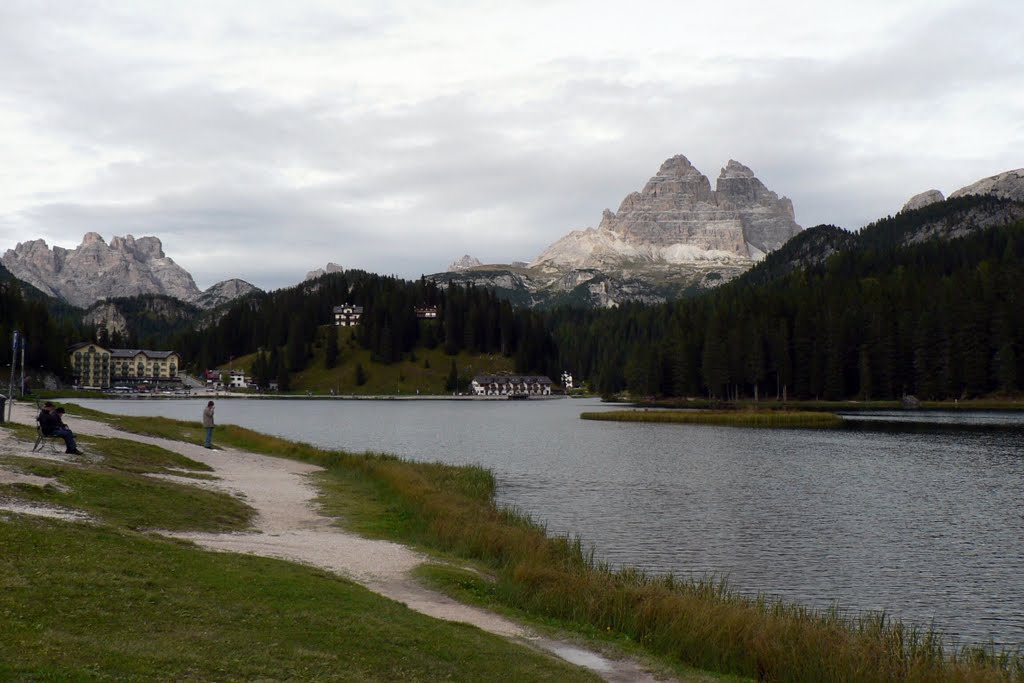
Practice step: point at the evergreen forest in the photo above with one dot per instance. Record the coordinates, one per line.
(926, 303)
(283, 327)
(882, 316)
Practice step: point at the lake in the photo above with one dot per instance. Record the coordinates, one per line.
(923, 521)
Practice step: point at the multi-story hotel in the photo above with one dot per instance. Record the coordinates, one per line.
(93, 366)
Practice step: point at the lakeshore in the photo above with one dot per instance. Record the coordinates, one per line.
(811, 517)
(548, 576)
(287, 525)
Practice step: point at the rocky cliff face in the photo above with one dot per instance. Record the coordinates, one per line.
(465, 263)
(919, 201)
(95, 270)
(1006, 185)
(678, 219)
(106, 315)
(223, 292)
(124, 268)
(330, 268)
(677, 235)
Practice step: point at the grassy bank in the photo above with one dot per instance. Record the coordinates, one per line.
(451, 510)
(110, 600)
(732, 418)
(994, 403)
(86, 602)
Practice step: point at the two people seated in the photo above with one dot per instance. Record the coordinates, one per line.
(51, 423)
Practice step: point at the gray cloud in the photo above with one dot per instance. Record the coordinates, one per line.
(240, 174)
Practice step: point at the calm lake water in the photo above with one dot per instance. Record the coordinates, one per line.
(925, 522)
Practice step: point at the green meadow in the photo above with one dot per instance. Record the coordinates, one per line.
(110, 599)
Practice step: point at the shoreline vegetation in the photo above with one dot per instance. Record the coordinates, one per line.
(518, 568)
(730, 418)
(993, 403)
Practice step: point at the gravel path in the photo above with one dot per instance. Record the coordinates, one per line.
(289, 527)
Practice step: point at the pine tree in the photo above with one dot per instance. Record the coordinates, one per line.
(331, 347)
(451, 383)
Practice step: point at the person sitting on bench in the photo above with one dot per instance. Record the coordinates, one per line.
(52, 424)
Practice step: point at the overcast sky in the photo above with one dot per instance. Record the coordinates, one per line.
(261, 140)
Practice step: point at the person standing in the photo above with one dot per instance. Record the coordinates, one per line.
(208, 424)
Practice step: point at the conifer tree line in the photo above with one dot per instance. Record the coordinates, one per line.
(940, 319)
(888, 313)
(46, 336)
(284, 326)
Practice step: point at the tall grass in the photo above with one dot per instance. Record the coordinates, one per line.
(699, 623)
(732, 418)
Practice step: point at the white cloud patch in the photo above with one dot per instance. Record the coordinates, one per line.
(262, 140)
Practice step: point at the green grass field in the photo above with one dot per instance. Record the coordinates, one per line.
(111, 599)
(95, 602)
(425, 370)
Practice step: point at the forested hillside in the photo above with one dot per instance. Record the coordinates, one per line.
(927, 303)
(880, 317)
(285, 325)
(25, 309)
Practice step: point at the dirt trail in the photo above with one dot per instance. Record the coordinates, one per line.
(289, 527)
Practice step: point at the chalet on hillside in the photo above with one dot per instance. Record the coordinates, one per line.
(347, 315)
(505, 385)
(94, 366)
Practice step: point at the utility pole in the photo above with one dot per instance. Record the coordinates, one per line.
(22, 394)
(14, 371)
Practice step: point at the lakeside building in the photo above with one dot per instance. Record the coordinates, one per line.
(236, 379)
(97, 367)
(504, 385)
(426, 312)
(347, 315)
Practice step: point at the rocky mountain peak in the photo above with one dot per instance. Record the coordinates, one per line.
(331, 267)
(678, 219)
(678, 167)
(735, 169)
(923, 199)
(1006, 185)
(94, 270)
(92, 238)
(465, 263)
(223, 292)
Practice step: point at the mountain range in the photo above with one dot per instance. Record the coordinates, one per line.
(676, 236)
(126, 267)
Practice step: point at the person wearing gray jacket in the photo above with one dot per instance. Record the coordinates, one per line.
(208, 424)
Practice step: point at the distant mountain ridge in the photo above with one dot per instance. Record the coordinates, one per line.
(126, 267)
(678, 237)
(675, 236)
(1005, 185)
(948, 219)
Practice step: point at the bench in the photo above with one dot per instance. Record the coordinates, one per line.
(42, 440)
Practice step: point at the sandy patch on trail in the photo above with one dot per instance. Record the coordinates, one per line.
(9, 446)
(289, 527)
